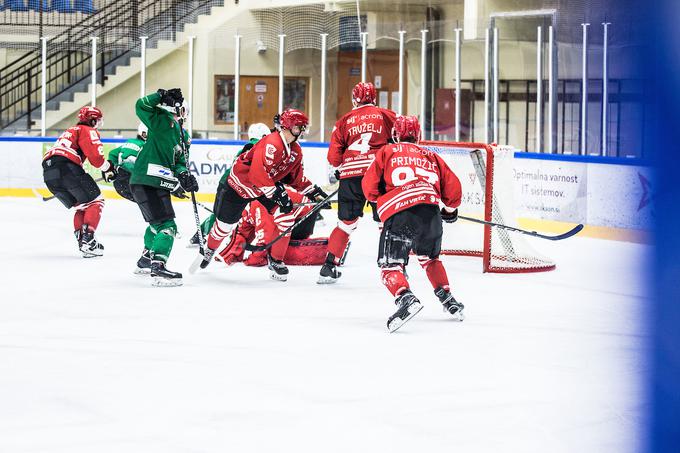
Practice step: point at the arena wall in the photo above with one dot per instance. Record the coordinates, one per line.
(613, 197)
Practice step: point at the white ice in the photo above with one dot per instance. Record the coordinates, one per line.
(95, 360)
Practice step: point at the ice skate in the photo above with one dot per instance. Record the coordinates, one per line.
(278, 269)
(408, 305)
(144, 263)
(195, 241)
(164, 277)
(450, 304)
(329, 274)
(89, 246)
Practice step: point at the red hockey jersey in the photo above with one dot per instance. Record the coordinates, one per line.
(78, 143)
(256, 171)
(356, 137)
(259, 227)
(412, 175)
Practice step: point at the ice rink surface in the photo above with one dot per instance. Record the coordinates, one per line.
(95, 360)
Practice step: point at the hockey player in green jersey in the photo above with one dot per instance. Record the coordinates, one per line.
(255, 132)
(161, 168)
(124, 158)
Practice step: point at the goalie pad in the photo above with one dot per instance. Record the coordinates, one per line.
(306, 252)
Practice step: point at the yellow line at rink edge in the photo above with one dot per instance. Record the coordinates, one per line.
(543, 226)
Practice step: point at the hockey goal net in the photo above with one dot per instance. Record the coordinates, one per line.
(486, 177)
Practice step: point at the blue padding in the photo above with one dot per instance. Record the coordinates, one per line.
(63, 6)
(16, 5)
(585, 159)
(39, 5)
(84, 6)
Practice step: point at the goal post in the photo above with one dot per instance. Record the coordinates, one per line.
(486, 175)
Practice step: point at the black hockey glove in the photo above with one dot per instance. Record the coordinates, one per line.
(179, 192)
(171, 97)
(110, 173)
(188, 181)
(176, 95)
(448, 216)
(282, 199)
(318, 195)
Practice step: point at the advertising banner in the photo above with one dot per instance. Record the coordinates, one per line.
(620, 196)
(593, 193)
(551, 190)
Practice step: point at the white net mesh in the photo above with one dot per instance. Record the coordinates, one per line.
(485, 173)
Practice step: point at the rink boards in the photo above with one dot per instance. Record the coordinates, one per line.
(613, 197)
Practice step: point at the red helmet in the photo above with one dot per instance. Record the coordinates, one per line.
(293, 117)
(87, 114)
(364, 93)
(406, 128)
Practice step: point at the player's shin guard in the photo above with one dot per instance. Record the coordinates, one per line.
(393, 278)
(219, 231)
(78, 220)
(435, 272)
(92, 212)
(164, 239)
(337, 242)
(149, 236)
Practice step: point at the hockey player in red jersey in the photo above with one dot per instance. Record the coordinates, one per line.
(355, 139)
(258, 227)
(65, 178)
(260, 174)
(415, 181)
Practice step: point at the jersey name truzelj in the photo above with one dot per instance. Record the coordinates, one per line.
(364, 127)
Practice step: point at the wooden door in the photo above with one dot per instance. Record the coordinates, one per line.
(382, 70)
(259, 100)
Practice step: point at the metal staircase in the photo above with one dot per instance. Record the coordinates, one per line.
(117, 24)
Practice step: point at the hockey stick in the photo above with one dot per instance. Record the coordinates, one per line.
(52, 197)
(201, 248)
(312, 203)
(314, 210)
(559, 237)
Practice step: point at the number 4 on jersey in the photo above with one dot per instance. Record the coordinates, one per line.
(362, 145)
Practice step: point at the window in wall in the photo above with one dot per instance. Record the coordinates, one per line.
(224, 99)
(295, 93)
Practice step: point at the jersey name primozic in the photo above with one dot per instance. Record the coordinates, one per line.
(412, 176)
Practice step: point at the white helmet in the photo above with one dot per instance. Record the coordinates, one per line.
(142, 131)
(257, 131)
(184, 110)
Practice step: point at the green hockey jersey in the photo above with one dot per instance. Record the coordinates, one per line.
(245, 148)
(125, 155)
(161, 158)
